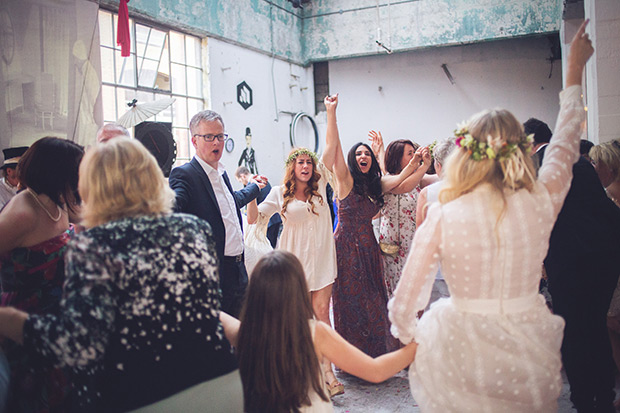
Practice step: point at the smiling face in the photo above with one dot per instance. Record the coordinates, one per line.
(303, 168)
(363, 158)
(210, 152)
(408, 153)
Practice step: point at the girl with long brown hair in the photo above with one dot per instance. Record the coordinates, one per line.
(280, 344)
(306, 231)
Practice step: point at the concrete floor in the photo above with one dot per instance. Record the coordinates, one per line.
(394, 395)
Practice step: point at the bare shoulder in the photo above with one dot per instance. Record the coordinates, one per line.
(17, 219)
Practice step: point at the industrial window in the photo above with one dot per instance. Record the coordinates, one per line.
(163, 64)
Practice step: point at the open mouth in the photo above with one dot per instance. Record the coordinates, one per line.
(216, 151)
(363, 164)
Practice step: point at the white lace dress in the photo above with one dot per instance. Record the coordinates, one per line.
(493, 345)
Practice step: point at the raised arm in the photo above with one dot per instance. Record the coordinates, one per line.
(376, 143)
(389, 182)
(563, 150)
(413, 180)
(333, 157)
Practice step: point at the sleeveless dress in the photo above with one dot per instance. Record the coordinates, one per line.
(306, 234)
(360, 299)
(318, 405)
(32, 279)
(398, 224)
(493, 345)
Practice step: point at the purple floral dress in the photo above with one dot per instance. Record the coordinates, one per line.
(360, 299)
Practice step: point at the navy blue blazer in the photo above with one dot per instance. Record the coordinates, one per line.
(194, 195)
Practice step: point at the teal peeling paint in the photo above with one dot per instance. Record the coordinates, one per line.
(321, 32)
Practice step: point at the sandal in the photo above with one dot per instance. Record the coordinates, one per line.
(335, 387)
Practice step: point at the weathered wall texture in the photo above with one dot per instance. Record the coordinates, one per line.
(407, 95)
(251, 23)
(328, 29)
(279, 90)
(349, 28)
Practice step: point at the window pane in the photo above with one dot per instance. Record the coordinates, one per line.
(142, 36)
(194, 82)
(107, 65)
(109, 103)
(179, 111)
(163, 72)
(123, 97)
(148, 72)
(192, 48)
(194, 106)
(177, 47)
(166, 114)
(178, 79)
(156, 42)
(181, 136)
(105, 29)
(125, 70)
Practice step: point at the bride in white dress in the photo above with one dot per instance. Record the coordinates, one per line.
(494, 345)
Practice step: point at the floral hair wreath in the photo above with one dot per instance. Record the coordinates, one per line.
(301, 151)
(479, 151)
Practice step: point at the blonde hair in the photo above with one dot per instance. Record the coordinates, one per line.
(463, 174)
(120, 178)
(608, 154)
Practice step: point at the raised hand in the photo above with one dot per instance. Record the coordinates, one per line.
(260, 180)
(331, 102)
(580, 51)
(426, 156)
(376, 142)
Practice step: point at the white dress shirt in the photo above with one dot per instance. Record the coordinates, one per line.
(228, 208)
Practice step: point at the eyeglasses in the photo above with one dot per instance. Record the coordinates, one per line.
(210, 138)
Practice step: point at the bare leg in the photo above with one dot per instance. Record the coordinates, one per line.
(320, 305)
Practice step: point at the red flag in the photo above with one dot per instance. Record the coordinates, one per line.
(122, 33)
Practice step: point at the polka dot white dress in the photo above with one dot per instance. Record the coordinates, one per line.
(493, 345)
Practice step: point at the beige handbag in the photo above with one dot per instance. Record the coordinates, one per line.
(389, 248)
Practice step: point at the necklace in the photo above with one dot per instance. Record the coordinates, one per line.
(36, 198)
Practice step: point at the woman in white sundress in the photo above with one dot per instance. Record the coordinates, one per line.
(493, 345)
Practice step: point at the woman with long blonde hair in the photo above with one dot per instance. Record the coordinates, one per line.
(493, 345)
(301, 200)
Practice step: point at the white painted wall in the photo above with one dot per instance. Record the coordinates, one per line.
(229, 65)
(408, 95)
(603, 70)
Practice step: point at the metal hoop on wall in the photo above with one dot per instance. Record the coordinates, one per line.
(296, 118)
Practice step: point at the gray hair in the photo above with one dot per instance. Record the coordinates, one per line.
(443, 149)
(111, 130)
(204, 116)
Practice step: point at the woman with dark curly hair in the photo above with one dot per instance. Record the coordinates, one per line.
(360, 298)
(306, 231)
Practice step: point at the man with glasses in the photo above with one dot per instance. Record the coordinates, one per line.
(203, 189)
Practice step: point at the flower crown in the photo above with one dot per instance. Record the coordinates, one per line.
(479, 151)
(301, 151)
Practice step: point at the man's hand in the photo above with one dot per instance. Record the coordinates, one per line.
(259, 180)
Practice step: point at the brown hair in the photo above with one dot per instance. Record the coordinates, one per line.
(290, 185)
(394, 154)
(50, 167)
(277, 359)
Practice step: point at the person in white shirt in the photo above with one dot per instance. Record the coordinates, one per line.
(203, 189)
